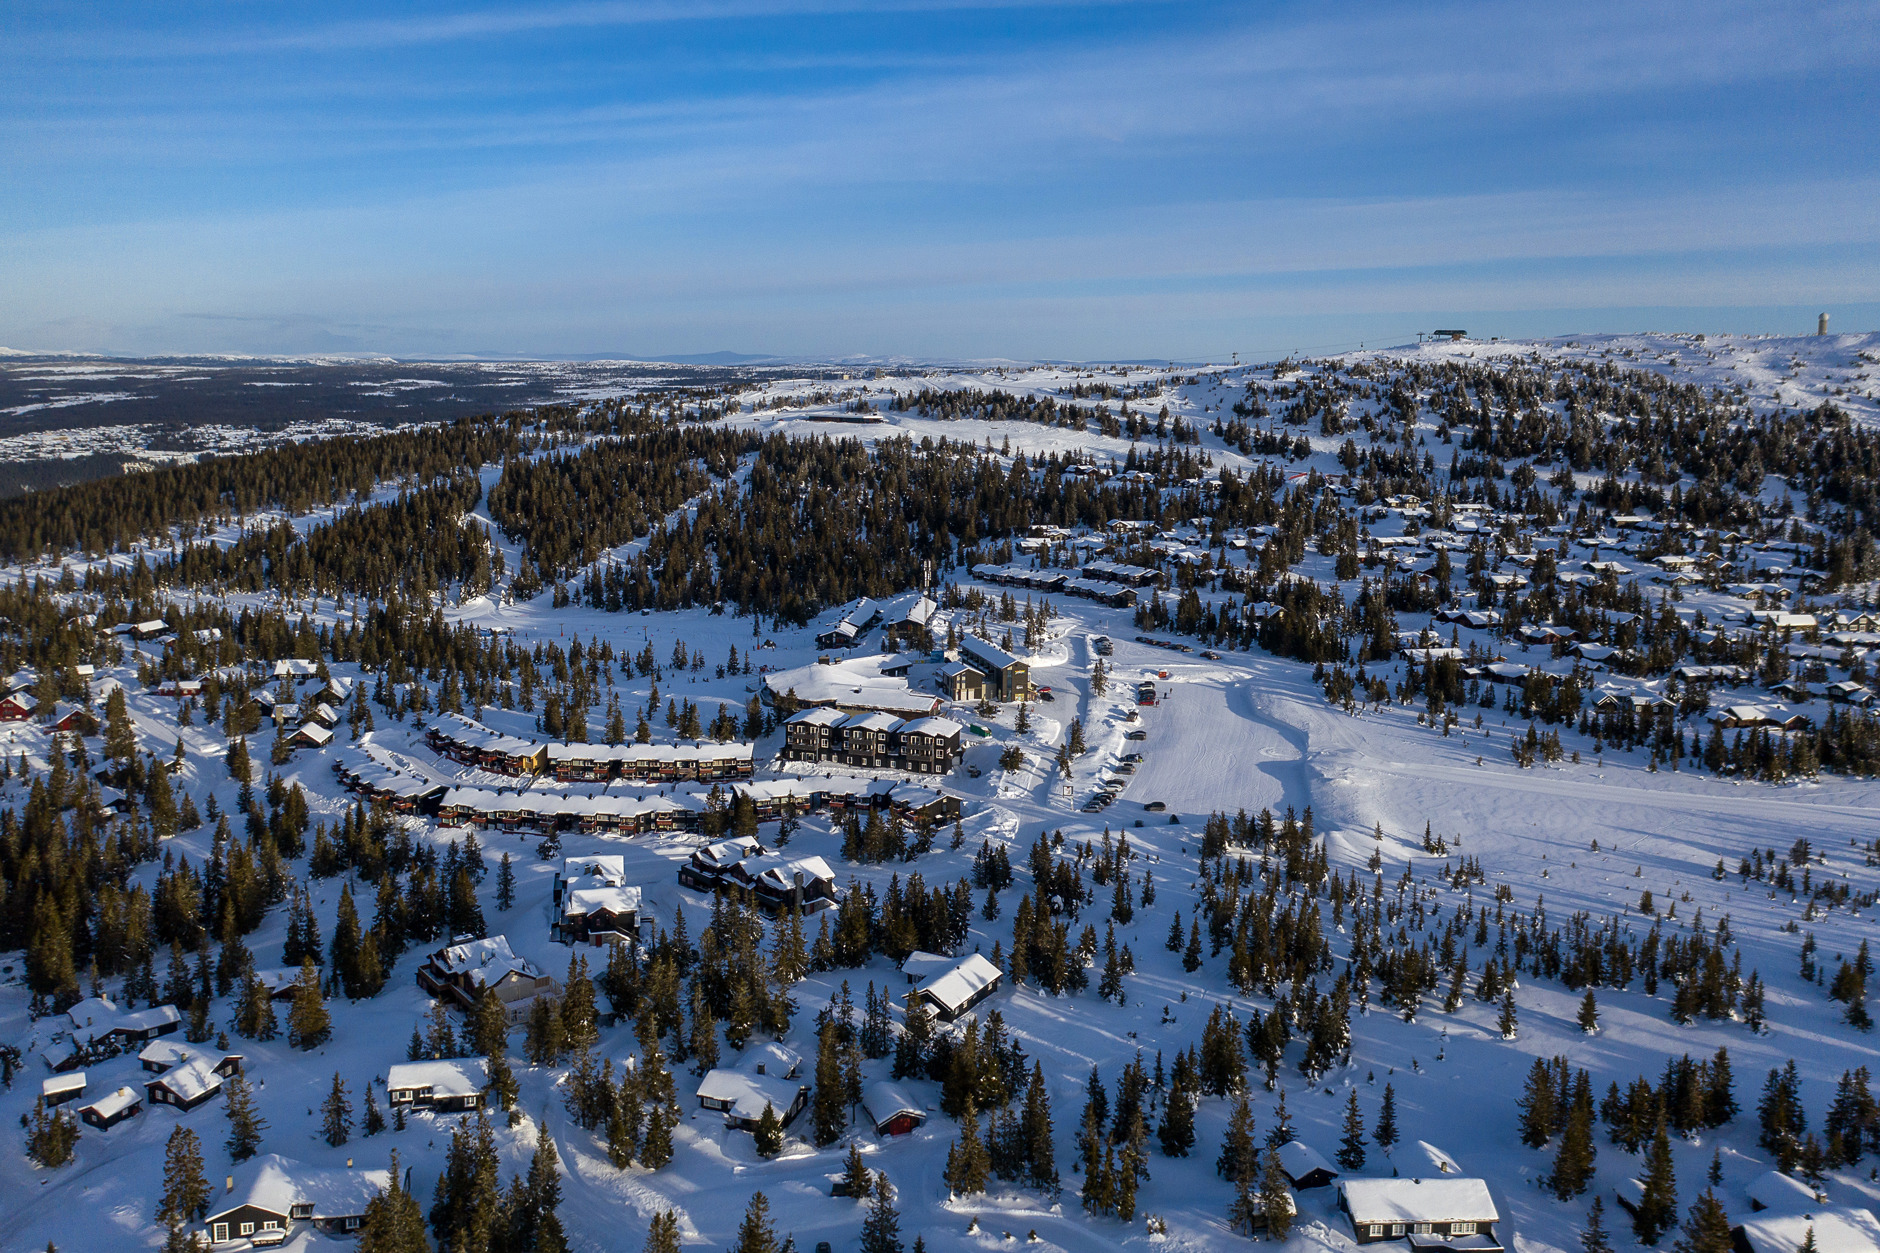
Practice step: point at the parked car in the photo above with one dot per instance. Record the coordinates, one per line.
(1137, 734)
(1156, 807)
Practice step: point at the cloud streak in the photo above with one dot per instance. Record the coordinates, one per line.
(1189, 162)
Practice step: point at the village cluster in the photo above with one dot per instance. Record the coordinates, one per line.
(1196, 842)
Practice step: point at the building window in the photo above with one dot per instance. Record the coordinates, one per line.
(1421, 1229)
(1396, 1229)
(219, 1232)
(1376, 1231)
(1461, 1229)
(247, 1229)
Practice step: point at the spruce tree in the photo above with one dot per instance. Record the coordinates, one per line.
(1593, 1237)
(1239, 1159)
(857, 1180)
(1244, 1215)
(505, 883)
(623, 1122)
(881, 1231)
(1658, 1206)
(51, 1138)
(1276, 1202)
(663, 1235)
(1589, 1013)
(656, 1148)
(393, 1222)
(244, 1124)
(1573, 1165)
(1539, 1106)
(1035, 1126)
(1706, 1227)
(308, 1024)
(544, 1196)
(769, 1133)
(1351, 1148)
(755, 1233)
(1386, 1131)
(829, 1105)
(336, 1114)
(1177, 1132)
(968, 1162)
(375, 1117)
(185, 1187)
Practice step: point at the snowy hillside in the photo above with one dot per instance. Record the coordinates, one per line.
(1483, 878)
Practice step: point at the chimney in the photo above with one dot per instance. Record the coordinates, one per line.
(1821, 325)
(349, 1163)
(231, 1183)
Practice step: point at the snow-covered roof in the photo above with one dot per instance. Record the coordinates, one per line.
(852, 684)
(1442, 1199)
(747, 1094)
(958, 985)
(729, 852)
(1774, 1190)
(884, 1100)
(275, 1185)
(109, 1107)
(62, 1083)
(191, 1079)
(485, 961)
(871, 721)
(982, 650)
(1838, 1229)
(614, 900)
(919, 965)
(450, 1077)
(98, 1012)
(609, 868)
(97, 1016)
(1299, 1159)
(942, 727)
(772, 1058)
(914, 607)
(779, 872)
(166, 1052)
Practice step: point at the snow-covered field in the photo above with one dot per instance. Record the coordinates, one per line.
(1244, 732)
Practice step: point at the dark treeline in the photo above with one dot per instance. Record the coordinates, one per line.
(110, 513)
(411, 546)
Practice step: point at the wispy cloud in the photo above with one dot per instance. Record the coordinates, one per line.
(1226, 162)
(287, 34)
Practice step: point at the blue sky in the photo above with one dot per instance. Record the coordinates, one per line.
(1031, 180)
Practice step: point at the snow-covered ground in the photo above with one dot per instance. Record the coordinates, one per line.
(1244, 732)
